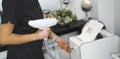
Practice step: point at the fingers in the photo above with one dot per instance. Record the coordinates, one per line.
(60, 45)
(41, 34)
(45, 33)
(66, 47)
(63, 45)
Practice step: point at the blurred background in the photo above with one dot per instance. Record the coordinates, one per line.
(106, 11)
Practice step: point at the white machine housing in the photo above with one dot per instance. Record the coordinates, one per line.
(87, 48)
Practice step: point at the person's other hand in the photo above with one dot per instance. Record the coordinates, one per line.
(44, 33)
(63, 45)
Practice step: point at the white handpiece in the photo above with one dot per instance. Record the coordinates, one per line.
(44, 24)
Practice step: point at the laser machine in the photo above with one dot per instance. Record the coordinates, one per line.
(85, 45)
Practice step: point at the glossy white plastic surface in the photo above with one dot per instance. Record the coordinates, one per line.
(43, 23)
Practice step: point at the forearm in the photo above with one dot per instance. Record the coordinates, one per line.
(52, 34)
(17, 39)
(8, 37)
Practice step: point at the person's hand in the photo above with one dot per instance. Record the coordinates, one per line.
(44, 33)
(63, 45)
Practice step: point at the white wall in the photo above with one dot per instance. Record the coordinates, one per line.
(117, 16)
(50, 4)
(94, 11)
(106, 13)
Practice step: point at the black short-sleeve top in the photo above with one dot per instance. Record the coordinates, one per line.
(19, 12)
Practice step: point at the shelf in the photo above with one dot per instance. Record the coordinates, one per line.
(67, 28)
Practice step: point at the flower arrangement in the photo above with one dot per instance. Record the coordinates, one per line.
(64, 16)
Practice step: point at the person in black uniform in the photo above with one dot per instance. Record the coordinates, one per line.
(24, 42)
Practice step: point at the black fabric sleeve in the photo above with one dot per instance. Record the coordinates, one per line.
(11, 12)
